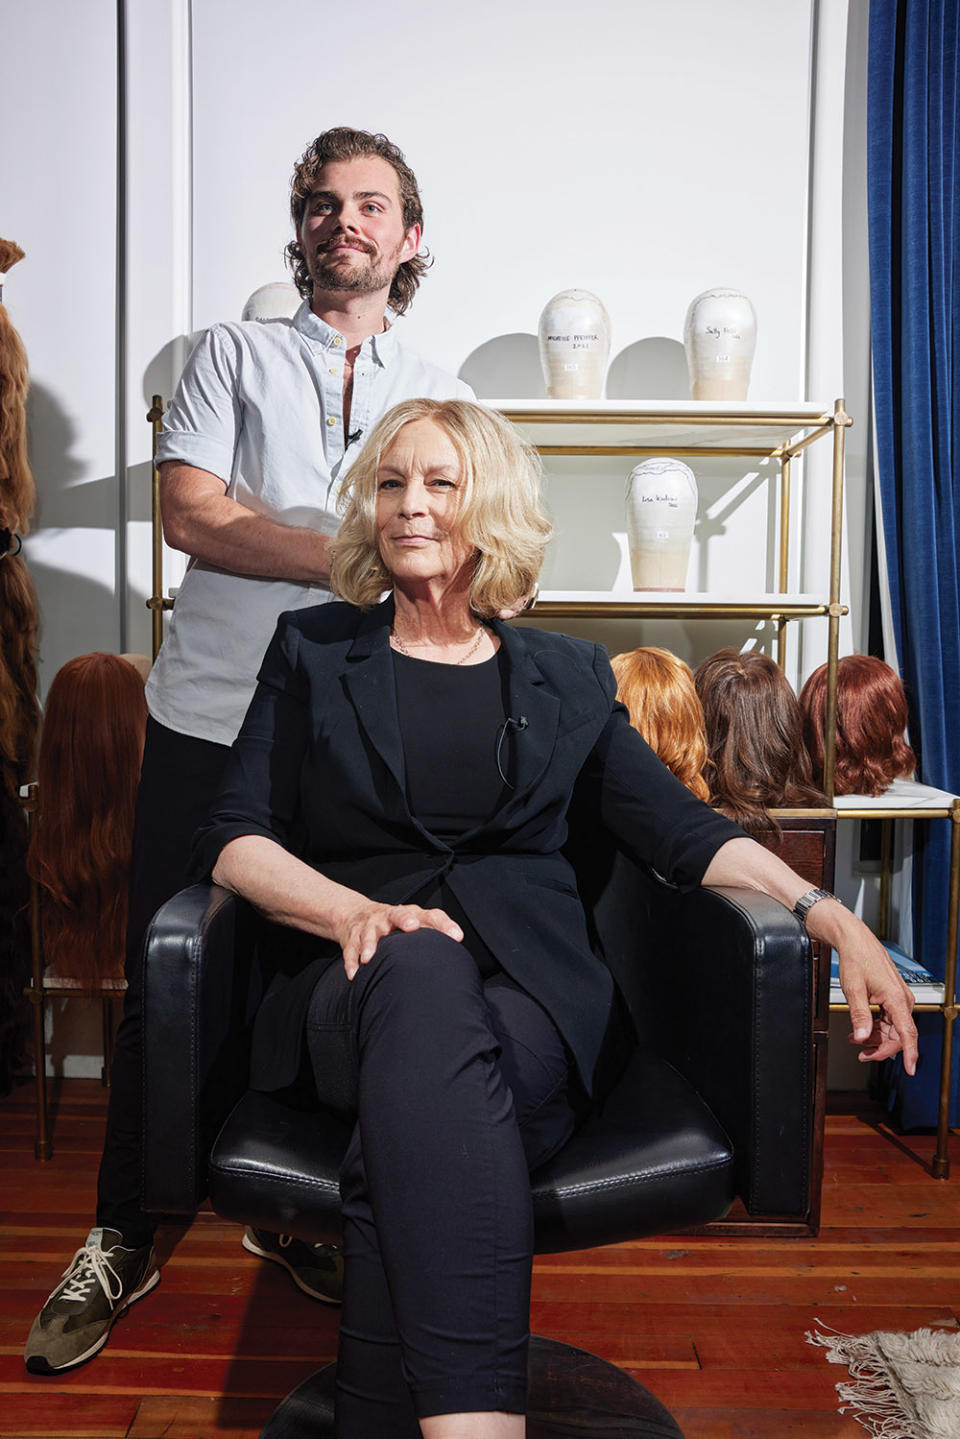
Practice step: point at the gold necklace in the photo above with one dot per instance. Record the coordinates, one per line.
(472, 650)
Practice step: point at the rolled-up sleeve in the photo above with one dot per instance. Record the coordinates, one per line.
(260, 790)
(648, 811)
(203, 423)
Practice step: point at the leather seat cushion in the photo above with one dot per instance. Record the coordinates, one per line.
(650, 1159)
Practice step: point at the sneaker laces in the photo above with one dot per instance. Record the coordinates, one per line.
(90, 1264)
(315, 1244)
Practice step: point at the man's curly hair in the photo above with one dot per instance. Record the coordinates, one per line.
(342, 143)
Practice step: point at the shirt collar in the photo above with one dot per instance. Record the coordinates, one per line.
(383, 347)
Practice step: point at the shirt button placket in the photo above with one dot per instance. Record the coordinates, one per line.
(333, 403)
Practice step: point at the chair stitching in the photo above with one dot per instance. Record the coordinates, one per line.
(619, 1181)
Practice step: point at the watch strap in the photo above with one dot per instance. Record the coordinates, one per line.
(806, 902)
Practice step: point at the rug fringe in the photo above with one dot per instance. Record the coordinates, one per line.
(872, 1399)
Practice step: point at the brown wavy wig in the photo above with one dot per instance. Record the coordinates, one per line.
(658, 690)
(871, 718)
(82, 833)
(342, 143)
(17, 493)
(758, 760)
(19, 708)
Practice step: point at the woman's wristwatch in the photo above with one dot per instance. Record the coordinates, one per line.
(806, 902)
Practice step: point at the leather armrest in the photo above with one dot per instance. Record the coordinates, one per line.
(198, 969)
(721, 983)
(736, 1018)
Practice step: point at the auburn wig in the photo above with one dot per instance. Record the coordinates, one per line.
(755, 738)
(91, 745)
(871, 718)
(658, 690)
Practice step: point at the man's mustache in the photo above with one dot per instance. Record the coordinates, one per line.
(338, 240)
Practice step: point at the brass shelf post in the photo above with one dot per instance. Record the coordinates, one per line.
(155, 603)
(941, 1159)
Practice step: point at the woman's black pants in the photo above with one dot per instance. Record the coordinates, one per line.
(460, 1089)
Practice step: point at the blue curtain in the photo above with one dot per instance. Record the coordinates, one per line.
(914, 226)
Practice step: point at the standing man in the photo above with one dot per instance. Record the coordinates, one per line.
(266, 418)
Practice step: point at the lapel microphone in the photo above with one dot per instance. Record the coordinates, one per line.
(520, 723)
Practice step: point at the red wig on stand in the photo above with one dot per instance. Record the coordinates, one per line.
(755, 738)
(82, 834)
(658, 690)
(871, 718)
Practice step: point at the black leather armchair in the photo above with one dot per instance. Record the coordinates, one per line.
(716, 1101)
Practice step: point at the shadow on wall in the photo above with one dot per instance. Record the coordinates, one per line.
(162, 374)
(508, 368)
(71, 549)
(650, 369)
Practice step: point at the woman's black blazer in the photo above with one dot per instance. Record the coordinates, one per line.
(318, 766)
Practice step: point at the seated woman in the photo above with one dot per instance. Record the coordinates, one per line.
(81, 838)
(658, 690)
(397, 797)
(758, 760)
(872, 750)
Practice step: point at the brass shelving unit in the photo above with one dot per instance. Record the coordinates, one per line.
(780, 433)
(689, 429)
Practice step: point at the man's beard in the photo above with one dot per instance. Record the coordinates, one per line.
(336, 273)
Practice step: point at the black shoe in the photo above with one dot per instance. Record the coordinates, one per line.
(317, 1269)
(101, 1280)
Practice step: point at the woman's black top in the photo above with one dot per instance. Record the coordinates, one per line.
(451, 718)
(451, 722)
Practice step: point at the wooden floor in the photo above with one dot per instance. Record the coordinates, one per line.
(714, 1326)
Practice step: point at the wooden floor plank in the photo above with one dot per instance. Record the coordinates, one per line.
(182, 1417)
(44, 1415)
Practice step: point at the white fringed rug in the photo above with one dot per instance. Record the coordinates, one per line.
(904, 1386)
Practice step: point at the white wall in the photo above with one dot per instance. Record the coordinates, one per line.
(645, 152)
(58, 115)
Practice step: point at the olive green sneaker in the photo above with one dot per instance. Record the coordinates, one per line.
(317, 1269)
(101, 1280)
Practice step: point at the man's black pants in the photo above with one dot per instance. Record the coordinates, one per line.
(179, 780)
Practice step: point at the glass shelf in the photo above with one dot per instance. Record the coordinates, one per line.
(905, 799)
(656, 427)
(672, 604)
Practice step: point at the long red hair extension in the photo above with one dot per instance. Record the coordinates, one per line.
(81, 838)
(871, 718)
(754, 734)
(658, 690)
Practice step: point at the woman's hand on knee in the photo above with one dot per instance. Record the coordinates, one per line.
(363, 929)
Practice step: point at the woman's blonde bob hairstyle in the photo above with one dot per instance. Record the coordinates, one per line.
(500, 513)
(658, 690)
